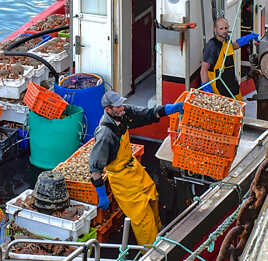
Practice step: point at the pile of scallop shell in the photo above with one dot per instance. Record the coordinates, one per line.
(50, 22)
(8, 71)
(56, 46)
(216, 103)
(77, 168)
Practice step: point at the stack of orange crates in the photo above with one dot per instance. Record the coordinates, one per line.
(103, 215)
(112, 224)
(106, 221)
(85, 191)
(205, 141)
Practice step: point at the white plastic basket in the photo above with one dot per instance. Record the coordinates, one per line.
(14, 112)
(40, 74)
(50, 226)
(61, 61)
(12, 88)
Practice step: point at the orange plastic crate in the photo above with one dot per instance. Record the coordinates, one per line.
(173, 136)
(211, 120)
(117, 220)
(174, 118)
(200, 163)
(85, 191)
(137, 149)
(103, 215)
(44, 102)
(82, 191)
(104, 231)
(208, 142)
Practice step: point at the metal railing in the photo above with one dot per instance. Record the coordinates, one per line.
(82, 247)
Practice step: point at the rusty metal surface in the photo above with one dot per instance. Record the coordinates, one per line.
(257, 245)
(218, 202)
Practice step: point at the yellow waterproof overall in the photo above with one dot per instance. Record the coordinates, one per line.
(135, 193)
(228, 76)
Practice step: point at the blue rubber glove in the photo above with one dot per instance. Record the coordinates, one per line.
(207, 88)
(244, 40)
(172, 108)
(103, 199)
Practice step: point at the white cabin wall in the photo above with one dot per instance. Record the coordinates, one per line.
(173, 60)
(76, 27)
(260, 5)
(169, 60)
(230, 13)
(208, 20)
(196, 39)
(125, 47)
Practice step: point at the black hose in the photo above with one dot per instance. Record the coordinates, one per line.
(17, 43)
(40, 59)
(7, 51)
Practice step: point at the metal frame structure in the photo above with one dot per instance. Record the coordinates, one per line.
(197, 220)
(82, 248)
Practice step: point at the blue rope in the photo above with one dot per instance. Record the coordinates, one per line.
(210, 242)
(122, 254)
(198, 199)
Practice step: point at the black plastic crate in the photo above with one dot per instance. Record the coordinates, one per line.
(8, 137)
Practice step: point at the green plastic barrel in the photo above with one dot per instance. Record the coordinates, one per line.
(53, 141)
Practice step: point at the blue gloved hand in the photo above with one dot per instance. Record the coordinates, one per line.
(172, 108)
(207, 88)
(103, 199)
(244, 40)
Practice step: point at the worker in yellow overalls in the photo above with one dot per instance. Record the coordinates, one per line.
(213, 57)
(132, 187)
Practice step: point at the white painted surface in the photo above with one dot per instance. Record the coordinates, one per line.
(94, 26)
(173, 61)
(125, 46)
(230, 13)
(196, 43)
(169, 59)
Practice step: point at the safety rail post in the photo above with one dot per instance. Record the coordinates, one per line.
(125, 234)
(84, 248)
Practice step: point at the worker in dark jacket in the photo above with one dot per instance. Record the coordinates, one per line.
(132, 187)
(213, 56)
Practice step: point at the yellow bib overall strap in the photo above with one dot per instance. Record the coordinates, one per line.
(228, 76)
(135, 193)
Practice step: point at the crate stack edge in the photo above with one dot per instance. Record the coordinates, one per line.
(106, 221)
(204, 141)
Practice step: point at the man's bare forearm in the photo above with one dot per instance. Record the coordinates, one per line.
(204, 75)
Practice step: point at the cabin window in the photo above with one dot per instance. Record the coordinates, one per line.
(96, 7)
